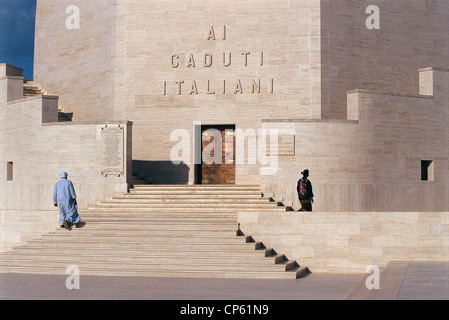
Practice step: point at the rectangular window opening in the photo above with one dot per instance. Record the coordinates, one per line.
(427, 173)
(9, 171)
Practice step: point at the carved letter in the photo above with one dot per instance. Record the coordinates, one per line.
(173, 63)
(245, 60)
(211, 35)
(207, 60)
(165, 88)
(191, 62)
(208, 88)
(224, 32)
(194, 88)
(261, 59)
(373, 21)
(226, 64)
(238, 87)
(256, 86)
(179, 83)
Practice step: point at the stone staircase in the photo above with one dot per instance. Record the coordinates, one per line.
(31, 89)
(161, 231)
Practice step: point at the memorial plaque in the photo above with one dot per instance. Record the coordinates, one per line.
(112, 148)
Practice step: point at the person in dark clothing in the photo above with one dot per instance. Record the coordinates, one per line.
(305, 192)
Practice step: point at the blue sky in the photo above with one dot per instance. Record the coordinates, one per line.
(17, 19)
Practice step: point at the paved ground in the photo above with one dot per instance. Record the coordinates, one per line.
(409, 280)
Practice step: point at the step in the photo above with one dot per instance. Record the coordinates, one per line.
(169, 240)
(176, 204)
(186, 191)
(148, 248)
(169, 228)
(115, 231)
(40, 255)
(177, 187)
(189, 200)
(166, 214)
(152, 250)
(144, 246)
(182, 235)
(180, 273)
(169, 218)
(185, 207)
(145, 223)
(150, 195)
(142, 238)
(130, 243)
(199, 186)
(135, 264)
(99, 257)
(143, 230)
(155, 221)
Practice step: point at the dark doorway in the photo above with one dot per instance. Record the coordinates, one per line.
(217, 155)
(161, 172)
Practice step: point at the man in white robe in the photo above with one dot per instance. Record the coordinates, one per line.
(64, 196)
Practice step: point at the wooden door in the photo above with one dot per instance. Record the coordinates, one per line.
(218, 155)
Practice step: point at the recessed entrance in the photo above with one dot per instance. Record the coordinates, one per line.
(217, 155)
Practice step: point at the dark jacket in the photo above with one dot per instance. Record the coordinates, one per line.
(309, 191)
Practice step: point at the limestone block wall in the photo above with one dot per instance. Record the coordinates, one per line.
(372, 161)
(34, 149)
(77, 64)
(165, 64)
(349, 242)
(274, 42)
(413, 34)
(129, 59)
(12, 88)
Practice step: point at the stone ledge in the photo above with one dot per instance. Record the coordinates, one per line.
(11, 77)
(86, 123)
(398, 94)
(433, 69)
(310, 120)
(37, 97)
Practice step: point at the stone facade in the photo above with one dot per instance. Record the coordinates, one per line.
(172, 65)
(372, 161)
(265, 66)
(35, 147)
(77, 65)
(366, 111)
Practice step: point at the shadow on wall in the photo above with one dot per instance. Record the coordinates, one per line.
(161, 172)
